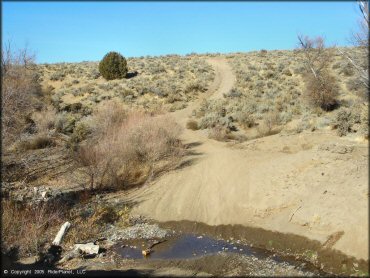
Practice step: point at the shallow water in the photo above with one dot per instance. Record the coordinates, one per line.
(184, 247)
(187, 246)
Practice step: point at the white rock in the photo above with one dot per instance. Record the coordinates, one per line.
(88, 248)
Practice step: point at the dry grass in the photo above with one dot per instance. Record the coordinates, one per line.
(39, 141)
(90, 225)
(29, 228)
(44, 119)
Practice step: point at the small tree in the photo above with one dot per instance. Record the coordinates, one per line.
(321, 87)
(113, 66)
(20, 83)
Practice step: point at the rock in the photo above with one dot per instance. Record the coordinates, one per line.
(88, 248)
(29, 260)
(146, 252)
(44, 194)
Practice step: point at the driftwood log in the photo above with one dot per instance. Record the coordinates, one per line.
(60, 234)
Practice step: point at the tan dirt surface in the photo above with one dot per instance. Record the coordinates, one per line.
(313, 184)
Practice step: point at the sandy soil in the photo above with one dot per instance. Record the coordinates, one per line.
(313, 184)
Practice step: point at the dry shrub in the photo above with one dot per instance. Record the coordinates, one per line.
(39, 141)
(90, 225)
(322, 92)
(321, 87)
(268, 126)
(44, 119)
(365, 121)
(19, 85)
(246, 119)
(128, 149)
(28, 228)
(219, 133)
(193, 125)
(352, 120)
(107, 115)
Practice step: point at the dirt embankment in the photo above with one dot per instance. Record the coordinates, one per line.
(312, 184)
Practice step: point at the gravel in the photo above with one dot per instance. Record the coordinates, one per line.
(139, 231)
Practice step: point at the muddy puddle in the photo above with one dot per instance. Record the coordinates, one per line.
(194, 246)
(199, 241)
(292, 249)
(183, 247)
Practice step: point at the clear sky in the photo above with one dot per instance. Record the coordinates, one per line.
(86, 31)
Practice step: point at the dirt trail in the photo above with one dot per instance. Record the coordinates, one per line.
(287, 183)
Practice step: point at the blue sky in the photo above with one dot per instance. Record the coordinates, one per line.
(86, 31)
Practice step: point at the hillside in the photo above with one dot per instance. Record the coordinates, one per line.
(217, 139)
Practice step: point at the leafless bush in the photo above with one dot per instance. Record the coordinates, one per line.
(268, 126)
(322, 94)
(320, 85)
(246, 119)
(128, 150)
(108, 115)
(19, 85)
(28, 228)
(360, 39)
(44, 119)
(218, 132)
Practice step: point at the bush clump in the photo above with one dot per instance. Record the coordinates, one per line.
(349, 121)
(113, 66)
(193, 125)
(127, 148)
(322, 92)
(40, 141)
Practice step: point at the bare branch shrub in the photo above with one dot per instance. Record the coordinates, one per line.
(360, 39)
(218, 132)
(44, 119)
(322, 94)
(19, 85)
(128, 149)
(270, 121)
(321, 88)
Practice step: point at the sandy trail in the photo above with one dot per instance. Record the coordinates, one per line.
(286, 183)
